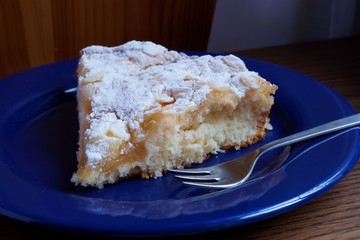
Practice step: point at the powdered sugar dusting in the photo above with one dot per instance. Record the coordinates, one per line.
(137, 79)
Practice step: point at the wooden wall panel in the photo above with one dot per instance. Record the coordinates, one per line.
(36, 32)
(13, 50)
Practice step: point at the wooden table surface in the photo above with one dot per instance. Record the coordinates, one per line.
(333, 215)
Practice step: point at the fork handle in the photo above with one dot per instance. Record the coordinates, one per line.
(323, 129)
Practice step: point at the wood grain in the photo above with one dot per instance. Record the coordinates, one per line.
(333, 215)
(36, 32)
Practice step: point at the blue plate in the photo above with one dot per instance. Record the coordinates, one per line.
(38, 141)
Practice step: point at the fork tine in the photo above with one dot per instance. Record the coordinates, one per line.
(214, 185)
(199, 178)
(207, 185)
(190, 171)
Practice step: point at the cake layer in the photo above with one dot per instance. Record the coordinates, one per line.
(144, 109)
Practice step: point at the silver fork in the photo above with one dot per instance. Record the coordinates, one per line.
(235, 172)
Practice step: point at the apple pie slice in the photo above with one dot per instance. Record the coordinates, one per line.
(144, 109)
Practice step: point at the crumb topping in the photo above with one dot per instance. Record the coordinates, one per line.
(137, 79)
